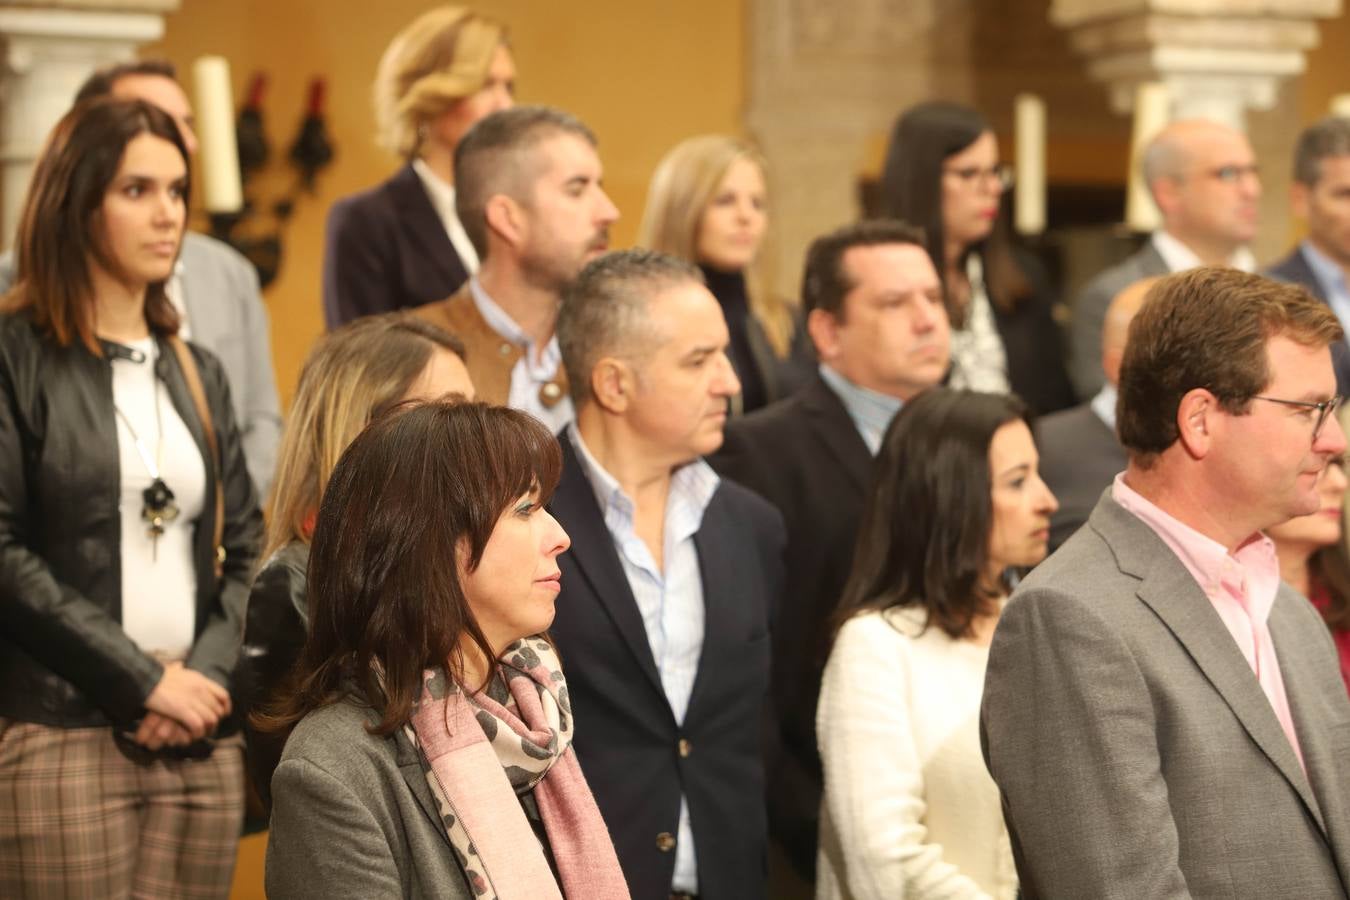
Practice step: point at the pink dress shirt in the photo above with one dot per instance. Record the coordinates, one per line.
(1242, 588)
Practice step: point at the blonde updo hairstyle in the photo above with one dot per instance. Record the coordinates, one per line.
(439, 59)
(685, 182)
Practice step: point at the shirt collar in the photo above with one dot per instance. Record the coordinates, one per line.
(871, 411)
(1252, 572)
(692, 485)
(502, 323)
(1104, 405)
(1179, 257)
(1325, 269)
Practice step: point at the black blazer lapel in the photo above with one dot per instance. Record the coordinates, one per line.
(722, 565)
(422, 226)
(592, 550)
(830, 422)
(1169, 590)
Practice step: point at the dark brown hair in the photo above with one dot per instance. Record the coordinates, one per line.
(924, 535)
(58, 235)
(102, 82)
(384, 590)
(1207, 328)
(924, 137)
(825, 280)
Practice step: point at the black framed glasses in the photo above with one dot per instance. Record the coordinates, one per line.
(1002, 174)
(1324, 409)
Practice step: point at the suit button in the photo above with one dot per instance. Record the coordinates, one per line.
(685, 748)
(665, 842)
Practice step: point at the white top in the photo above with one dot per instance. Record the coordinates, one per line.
(979, 359)
(159, 581)
(442, 197)
(1179, 257)
(909, 809)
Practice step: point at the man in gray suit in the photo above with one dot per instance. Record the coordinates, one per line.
(1203, 177)
(214, 288)
(1079, 451)
(1164, 717)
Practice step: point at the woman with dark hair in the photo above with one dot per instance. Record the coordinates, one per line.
(942, 173)
(1313, 558)
(909, 809)
(351, 377)
(432, 746)
(128, 528)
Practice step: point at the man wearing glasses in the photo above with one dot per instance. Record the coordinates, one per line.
(1204, 180)
(1163, 716)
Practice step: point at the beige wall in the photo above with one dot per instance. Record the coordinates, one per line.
(643, 76)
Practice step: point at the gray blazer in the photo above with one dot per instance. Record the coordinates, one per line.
(1089, 314)
(1079, 457)
(1137, 755)
(226, 316)
(352, 816)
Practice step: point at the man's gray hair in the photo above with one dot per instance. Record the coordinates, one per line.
(604, 312)
(1322, 139)
(494, 158)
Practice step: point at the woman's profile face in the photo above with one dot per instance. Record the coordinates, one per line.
(1322, 528)
(516, 582)
(732, 225)
(971, 189)
(143, 211)
(497, 93)
(1020, 502)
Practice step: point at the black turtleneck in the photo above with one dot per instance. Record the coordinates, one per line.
(729, 289)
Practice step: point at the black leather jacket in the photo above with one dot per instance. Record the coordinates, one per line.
(274, 634)
(64, 658)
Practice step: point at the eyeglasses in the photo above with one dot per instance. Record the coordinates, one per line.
(1233, 174)
(969, 175)
(1324, 409)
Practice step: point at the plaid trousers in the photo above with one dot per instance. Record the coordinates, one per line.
(78, 819)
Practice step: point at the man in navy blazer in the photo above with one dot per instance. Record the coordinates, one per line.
(1321, 196)
(669, 590)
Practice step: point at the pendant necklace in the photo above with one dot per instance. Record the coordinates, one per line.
(158, 509)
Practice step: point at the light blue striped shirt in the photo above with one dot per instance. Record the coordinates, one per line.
(1332, 278)
(870, 411)
(670, 601)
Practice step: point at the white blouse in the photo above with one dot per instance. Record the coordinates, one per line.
(909, 809)
(159, 580)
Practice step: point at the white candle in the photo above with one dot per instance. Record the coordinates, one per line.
(1340, 106)
(1029, 213)
(1152, 110)
(219, 163)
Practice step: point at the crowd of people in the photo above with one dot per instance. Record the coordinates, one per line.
(606, 574)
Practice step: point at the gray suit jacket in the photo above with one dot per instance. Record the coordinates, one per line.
(1079, 457)
(1135, 751)
(226, 316)
(353, 816)
(1089, 313)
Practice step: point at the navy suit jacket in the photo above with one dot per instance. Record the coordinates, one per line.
(1294, 268)
(386, 249)
(637, 759)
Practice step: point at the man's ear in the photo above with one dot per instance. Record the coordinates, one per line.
(823, 327)
(1197, 419)
(1166, 193)
(1300, 196)
(506, 218)
(613, 383)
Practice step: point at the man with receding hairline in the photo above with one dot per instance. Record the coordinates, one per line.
(1203, 177)
(528, 193)
(1079, 450)
(669, 590)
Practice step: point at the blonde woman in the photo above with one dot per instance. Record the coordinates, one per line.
(708, 204)
(400, 244)
(353, 376)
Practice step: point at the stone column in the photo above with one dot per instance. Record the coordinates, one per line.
(1226, 60)
(47, 49)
